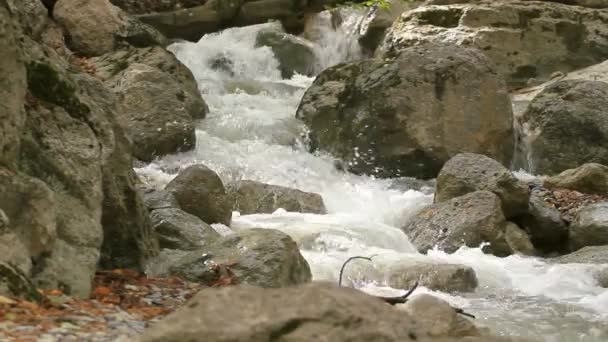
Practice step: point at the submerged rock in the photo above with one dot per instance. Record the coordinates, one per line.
(252, 197)
(260, 257)
(528, 41)
(591, 178)
(435, 276)
(468, 172)
(370, 115)
(295, 54)
(468, 220)
(565, 126)
(200, 192)
(590, 228)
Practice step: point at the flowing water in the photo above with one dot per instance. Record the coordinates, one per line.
(251, 133)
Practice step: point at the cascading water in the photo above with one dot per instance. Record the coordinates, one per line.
(251, 133)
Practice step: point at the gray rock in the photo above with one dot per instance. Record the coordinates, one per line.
(547, 229)
(252, 197)
(295, 54)
(177, 229)
(378, 19)
(111, 64)
(518, 240)
(585, 255)
(301, 313)
(565, 127)
(435, 276)
(589, 178)
(468, 172)
(188, 23)
(590, 227)
(200, 192)
(370, 115)
(260, 257)
(96, 27)
(153, 112)
(438, 318)
(157, 199)
(508, 33)
(32, 15)
(148, 6)
(72, 183)
(468, 220)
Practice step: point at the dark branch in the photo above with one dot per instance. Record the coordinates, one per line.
(349, 260)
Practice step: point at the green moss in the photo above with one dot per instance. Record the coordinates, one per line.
(46, 84)
(119, 66)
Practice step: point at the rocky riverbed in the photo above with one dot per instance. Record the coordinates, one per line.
(202, 170)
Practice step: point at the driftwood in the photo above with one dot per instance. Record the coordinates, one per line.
(392, 300)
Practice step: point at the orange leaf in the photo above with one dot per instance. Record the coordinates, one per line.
(103, 291)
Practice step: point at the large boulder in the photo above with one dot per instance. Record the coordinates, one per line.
(435, 276)
(252, 197)
(200, 192)
(544, 224)
(591, 178)
(469, 172)
(407, 116)
(590, 227)
(469, 220)
(526, 40)
(68, 187)
(152, 112)
(260, 257)
(565, 127)
(96, 27)
(311, 312)
(158, 99)
(295, 54)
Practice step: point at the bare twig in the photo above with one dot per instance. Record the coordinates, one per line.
(349, 260)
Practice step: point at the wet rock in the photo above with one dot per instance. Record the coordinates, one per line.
(590, 228)
(469, 220)
(188, 23)
(200, 192)
(438, 318)
(468, 172)
(565, 127)
(369, 114)
(518, 240)
(544, 223)
(177, 229)
(435, 276)
(589, 178)
(260, 257)
(507, 32)
(585, 255)
(291, 314)
(295, 54)
(96, 27)
(252, 197)
(147, 6)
